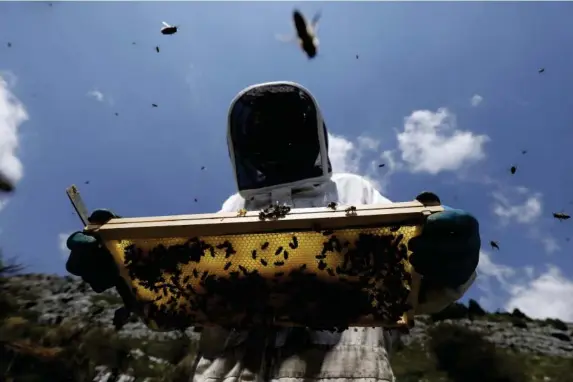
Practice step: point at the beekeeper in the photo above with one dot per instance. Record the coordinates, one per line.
(278, 146)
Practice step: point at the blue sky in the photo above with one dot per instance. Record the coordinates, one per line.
(406, 101)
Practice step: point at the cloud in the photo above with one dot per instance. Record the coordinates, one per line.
(12, 115)
(550, 244)
(548, 295)
(476, 100)
(525, 212)
(431, 143)
(488, 268)
(97, 95)
(343, 154)
(62, 239)
(356, 157)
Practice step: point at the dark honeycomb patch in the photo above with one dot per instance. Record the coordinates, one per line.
(233, 282)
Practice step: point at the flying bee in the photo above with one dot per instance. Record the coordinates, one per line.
(157, 49)
(5, 184)
(561, 216)
(494, 245)
(168, 29)
(513, 169)
(305, 33)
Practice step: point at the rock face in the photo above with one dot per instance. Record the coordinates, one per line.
(535, 338)
(56, 299)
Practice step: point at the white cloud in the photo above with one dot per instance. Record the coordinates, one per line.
(487, 268)
(476, 100)
(524, 212)
(97, 95)
(343, 154)
(356, 157)
(550, 244)
(12, 115)
(548, 295)
(62, 239)
(432, 143)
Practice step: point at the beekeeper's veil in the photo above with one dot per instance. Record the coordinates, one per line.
(277, 138)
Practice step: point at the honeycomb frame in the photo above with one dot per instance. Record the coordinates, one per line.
(237, 270)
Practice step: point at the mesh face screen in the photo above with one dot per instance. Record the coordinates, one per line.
(323, 280)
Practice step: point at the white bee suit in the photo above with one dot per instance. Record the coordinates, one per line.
(297, 355)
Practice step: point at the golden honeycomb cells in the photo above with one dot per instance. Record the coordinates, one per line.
(273, 256)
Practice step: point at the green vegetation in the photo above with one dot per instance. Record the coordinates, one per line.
(455, 354)
(70, 351)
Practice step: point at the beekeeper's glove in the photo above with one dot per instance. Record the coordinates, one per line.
(446, 254)
(90, 259)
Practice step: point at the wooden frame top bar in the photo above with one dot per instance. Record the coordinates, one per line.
(229, 223)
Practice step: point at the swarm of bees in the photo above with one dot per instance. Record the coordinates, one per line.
(184, 294)
(274, 211)
(168, 29)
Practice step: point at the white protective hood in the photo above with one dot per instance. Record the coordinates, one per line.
(320, 173)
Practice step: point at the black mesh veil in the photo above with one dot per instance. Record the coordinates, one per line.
(277, 137)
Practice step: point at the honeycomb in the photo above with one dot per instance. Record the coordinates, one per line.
(327, 280)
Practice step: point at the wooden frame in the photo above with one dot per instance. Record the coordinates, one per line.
(411, 213)
(300, 219)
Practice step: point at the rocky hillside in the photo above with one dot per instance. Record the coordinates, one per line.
(55, 328)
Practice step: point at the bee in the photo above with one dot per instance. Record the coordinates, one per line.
(350, 210)
(513, 169)
(265, 245)
(5, 184)
(306, 33)
(357, 57)
(541, 70)
(332, 206)
(242, 212)
(381, 165)
(278, 251)
(227, 266)
(168, 29)
(494, 245)
(561, 216)
(294, 244)
(157, 49)
(153, 105)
